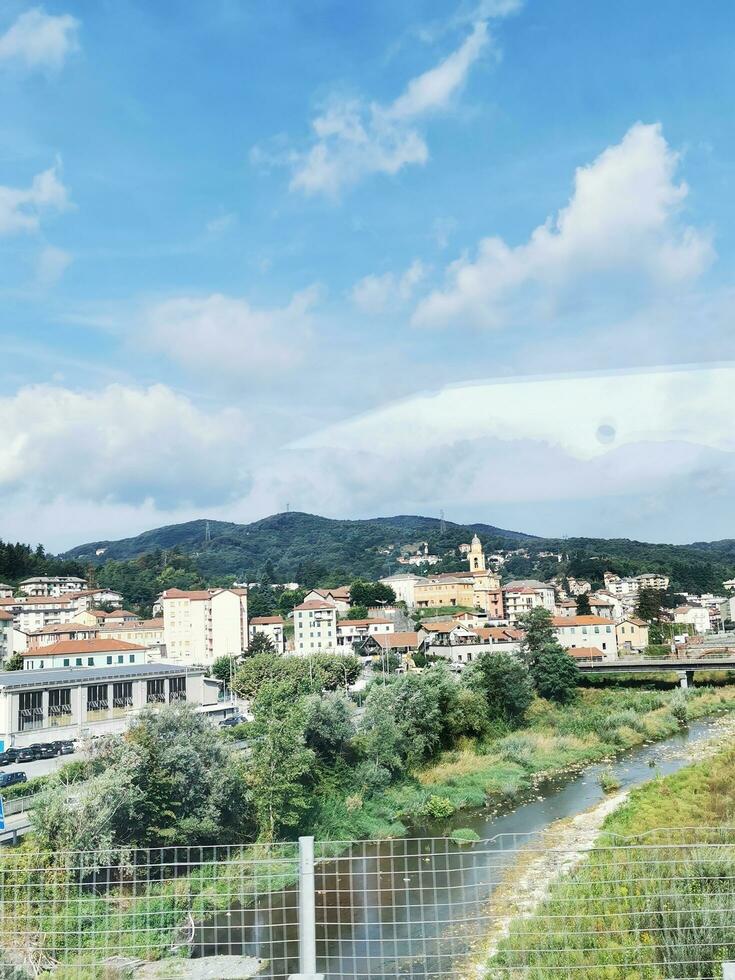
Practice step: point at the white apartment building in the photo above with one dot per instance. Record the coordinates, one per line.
(315, 627)
(729, 586)
(727, 610)
(6, 591)
(340, 597)
(653, 580)
(84, 653)
(587, 631)
(631, 586)
(199, 626)
(52, 585)
(352, 631)
(696, 616)
(523, 595)
(6, 635)
(31, 613)
(271, 626)
(146, 632)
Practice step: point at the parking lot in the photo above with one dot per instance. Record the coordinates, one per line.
(40, 767)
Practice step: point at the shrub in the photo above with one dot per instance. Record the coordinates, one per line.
(437, 808)
(609, 783)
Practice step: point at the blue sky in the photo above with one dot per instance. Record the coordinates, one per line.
(367, 259)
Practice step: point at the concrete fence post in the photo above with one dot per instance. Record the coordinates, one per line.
(307, 913)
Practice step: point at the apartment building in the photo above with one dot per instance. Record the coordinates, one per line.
(6, 591)
(340, 597)
(52, 585)
(6, 635)
(727, 610)
(523, 595)
(146, 632)
(587, 631)
(631, 586)
(271, 626)
(200, 626)
(315, 627)
(48, 635)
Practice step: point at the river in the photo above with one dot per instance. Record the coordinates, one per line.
(413, 907)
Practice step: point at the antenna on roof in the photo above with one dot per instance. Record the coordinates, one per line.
(288, 506)
(443, 525)
(207, 533)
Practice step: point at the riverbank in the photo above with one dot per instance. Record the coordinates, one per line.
(610, 892)
(508, 767)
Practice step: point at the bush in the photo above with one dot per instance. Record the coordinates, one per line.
(555, 674)
(679, 707)
(608, 782)
(437, 808)
(506, 684)
(463, 835)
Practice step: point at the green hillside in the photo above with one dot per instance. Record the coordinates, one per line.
(311, 549)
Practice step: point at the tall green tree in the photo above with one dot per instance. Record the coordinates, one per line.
(583, 604)
(539, 631)
(505, 683)
(555, 674)
(648, 605)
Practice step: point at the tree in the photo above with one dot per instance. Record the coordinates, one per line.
(583, 605)
(223, 668)
(371, 594)
(555, 674)
(357, 612)
(328, 726)
(279, 768)
(648, 605)
(506, 684)
(261, 643)
(539, 631)
(14, 662)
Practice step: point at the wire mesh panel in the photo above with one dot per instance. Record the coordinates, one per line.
(90, 914)
(651, 908)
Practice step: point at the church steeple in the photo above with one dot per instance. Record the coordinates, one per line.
(475, 556)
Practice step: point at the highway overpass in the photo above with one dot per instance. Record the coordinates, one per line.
(685, 667)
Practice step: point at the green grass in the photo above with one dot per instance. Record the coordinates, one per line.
(660, 908)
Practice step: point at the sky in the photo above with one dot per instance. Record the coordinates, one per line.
(470, 256)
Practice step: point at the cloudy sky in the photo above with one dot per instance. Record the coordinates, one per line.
(364, 259)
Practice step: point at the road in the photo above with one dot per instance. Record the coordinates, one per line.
(41, 767)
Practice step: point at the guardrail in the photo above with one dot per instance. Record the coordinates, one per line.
(20, 804)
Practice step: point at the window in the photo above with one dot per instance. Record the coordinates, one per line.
(97, 702)
(155, 692)
(177, 689)
(109, 660)
(66, 661)
(30, 711)
(78, 661)
(90, 661)
(59, 707)
(122, 697)
(120, 658)
(131, 658)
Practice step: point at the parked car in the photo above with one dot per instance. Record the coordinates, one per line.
(5, 759)
(27, 754)
(11, 778)
(67, 748)
(47, 751)
(12, 754)
(231, 722)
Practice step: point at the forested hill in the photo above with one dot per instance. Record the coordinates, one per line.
(288, 542)
(317, 550)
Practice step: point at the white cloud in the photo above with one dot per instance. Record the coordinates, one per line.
(39, 40)
(354, 139)
(376, 294)
(220, 224)
(120, 444)
(21, 209)
(621, 225)
(228, 335)
(51, 264)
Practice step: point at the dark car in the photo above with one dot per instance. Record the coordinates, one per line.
(231, 722)
(5, 759)
(47, 751)
(28, 754)
(12, 754)
(11, 778)
(67, 748)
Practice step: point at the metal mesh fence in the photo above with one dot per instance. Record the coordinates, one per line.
(660, 906)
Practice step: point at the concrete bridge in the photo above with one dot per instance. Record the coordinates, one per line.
(685, 667)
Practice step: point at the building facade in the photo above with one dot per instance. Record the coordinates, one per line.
(632, 635)
(200, 626)
(52, 585)
(6, 635)
(68, 703)
(84, 653)
(587, 631)
(315, 627)
(273, 627)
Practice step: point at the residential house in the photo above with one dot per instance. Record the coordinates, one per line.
(587, 631)
(48, 635)
(379, 645)
(566, 607)
(352, 632)
(315, 627)
(586, 654)
(271, 626)
(602, 606)
(523, 595)
(404, 585)
(148, 633)
(696, 616)
(6, 591)
(632, 635)
(339, 597)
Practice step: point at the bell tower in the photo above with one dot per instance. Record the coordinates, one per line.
(475, 556)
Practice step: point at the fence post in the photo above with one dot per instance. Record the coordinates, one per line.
(307, 912)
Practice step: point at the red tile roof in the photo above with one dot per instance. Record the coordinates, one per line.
(266, 621)
(388, 641)
(581, 621)
(5, 615)
(83, 648)
(316, 604)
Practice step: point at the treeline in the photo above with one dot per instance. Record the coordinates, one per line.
(19, 561)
